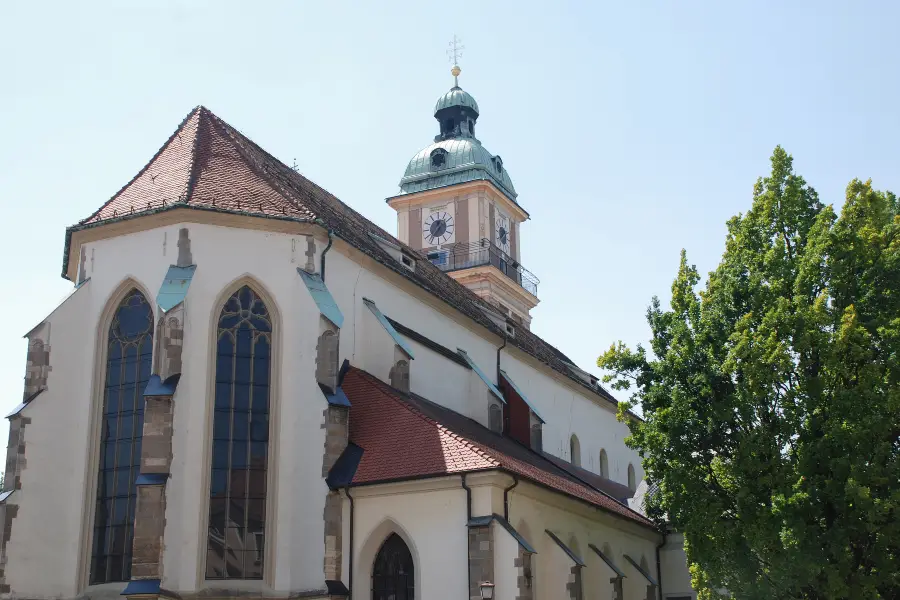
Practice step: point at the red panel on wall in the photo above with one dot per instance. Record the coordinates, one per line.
(517, 415)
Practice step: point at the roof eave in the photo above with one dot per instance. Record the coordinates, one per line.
(489, 180)
(639, 521)
(154, 211)
(472, 166)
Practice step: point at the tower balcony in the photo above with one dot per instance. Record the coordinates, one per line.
(483, 253)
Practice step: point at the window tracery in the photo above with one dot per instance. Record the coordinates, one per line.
(128, 365)
(237, 505)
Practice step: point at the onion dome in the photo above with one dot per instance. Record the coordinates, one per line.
(456, 155)
(453, 98)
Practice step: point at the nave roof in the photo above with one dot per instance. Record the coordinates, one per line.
(405, 436)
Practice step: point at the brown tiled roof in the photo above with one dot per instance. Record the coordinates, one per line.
(207, 164)
(608, 486)
(408, 437)
(201, 165)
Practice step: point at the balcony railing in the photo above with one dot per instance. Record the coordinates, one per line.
(480, 253)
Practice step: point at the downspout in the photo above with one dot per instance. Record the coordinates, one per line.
(468, 518)
(324, 252)
(659, 564)
(498, 356)
(350, 560)
(505, 425)
(506, 497)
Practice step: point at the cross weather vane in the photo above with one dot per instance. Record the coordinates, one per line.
(454, 53)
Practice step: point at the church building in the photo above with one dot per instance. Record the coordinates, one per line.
(254, 391)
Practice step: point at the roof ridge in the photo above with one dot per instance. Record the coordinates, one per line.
(202, 112)
(396, 396)
(143, 170)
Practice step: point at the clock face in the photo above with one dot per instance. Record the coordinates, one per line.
(437, 228)
(502, 226)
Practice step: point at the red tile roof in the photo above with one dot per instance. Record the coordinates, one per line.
(207, 164)
(408, 437)
(201, 165)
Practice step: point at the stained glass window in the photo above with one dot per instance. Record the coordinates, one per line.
(237, 502)
(393, 574)
(128, 363)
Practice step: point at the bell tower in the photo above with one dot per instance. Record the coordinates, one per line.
(458, 207)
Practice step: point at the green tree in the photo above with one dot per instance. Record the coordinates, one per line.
(771, 399)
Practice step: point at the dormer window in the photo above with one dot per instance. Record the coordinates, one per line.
(438, 158)
(498, 164)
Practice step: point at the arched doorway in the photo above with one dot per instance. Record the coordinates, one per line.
(393, 574)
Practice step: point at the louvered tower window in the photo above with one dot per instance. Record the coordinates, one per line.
(237, 504)
(128, 362)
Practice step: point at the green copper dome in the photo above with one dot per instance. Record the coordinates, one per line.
(456, 156)
(455, 97)
(452, 161)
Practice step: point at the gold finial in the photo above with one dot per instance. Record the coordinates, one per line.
(454, 53)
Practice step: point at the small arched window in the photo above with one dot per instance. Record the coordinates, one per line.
(128, 362)
(393, 574)
(240, 447)
(575, 450)
(632, 484)
(604, 464)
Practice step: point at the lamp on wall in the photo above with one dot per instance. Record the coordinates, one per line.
(487, 590)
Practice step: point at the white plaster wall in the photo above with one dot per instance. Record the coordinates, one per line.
(46, 533)
(376, 346)
(224, 255)
(554, 570)
(568, 411)
(594, 527)
(597, 574)
(676, 579)
(433, 523)
(370, 348)
(506, 574)
(435, 377)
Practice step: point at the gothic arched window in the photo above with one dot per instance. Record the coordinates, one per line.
(128, 362)
(632, 484)
(237, 498)
(393, 575)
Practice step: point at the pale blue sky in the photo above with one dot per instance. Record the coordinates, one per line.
(631, 129)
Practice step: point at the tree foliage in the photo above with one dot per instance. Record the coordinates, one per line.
(771, 399)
